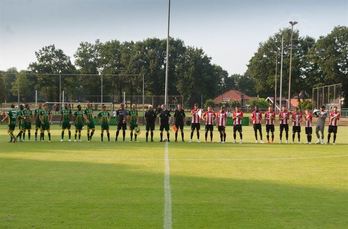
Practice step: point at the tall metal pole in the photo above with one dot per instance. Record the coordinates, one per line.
(167, 59)
(101, 89)
(143, 92)
(292, 23)
(60, 91)
(18, 95)
(281, 73)
(275, 82)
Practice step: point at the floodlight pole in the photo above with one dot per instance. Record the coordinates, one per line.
(60, 90)
(167, 59)
(281, 73)
(101, 89)
(292, 23)
(275, 82)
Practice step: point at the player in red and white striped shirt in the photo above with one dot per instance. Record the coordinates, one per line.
(237, 124)
(296, 118)
(270, 117)
(209, 118)
(221, 118)
(308, 125)
(284, 116)
(256, 117)
(333, 123)
(195, 123)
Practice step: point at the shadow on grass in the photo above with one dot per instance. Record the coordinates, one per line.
(42, 194)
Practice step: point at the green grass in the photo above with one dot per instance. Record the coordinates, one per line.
(120, 185)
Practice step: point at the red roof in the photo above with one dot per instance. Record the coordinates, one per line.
(231, 95)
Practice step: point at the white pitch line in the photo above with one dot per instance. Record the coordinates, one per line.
(167, 223)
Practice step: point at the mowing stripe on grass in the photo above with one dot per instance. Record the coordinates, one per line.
(167, 224)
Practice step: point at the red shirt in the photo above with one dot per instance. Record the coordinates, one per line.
(334, 117)
(209, 117)
(237, 118)
(256, 117)
(270, 116)
(284, 117)
(221, 118)
(308, 119)
(296, 118)
(195, 116)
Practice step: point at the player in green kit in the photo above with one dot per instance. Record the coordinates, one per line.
(88, 114)
(11, 117)
(28, 115)
(37, 120)
(133, 123)
(79, 118)
(104, 117)
(66, 116)
(20, 117)
(45, 120)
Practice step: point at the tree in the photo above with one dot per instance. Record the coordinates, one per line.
(262, 65)
(330, 54)
(26, 82)
(2, 88)
(51, 62)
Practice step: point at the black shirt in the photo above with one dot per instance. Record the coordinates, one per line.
(122, 115)
(164, 116)
(150, 116)
(179, 116)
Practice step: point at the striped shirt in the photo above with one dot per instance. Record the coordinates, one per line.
(296, 119)
(270, 116)
(221, 118)
(195, 116)
(284, 117)
(256, 117)
(237, 118)
(209, 117)
(334, 117)
(308, 119)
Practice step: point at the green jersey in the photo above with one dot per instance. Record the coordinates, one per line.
(66, 114)
(78, 117)
(27, 114)
(12, 117)
(44, 116)
(89, 114)
(37, 113)
(133, 116)
(104, 116)
(20, 115)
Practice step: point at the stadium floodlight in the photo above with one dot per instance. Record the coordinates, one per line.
(167, 59)
(292, 23)
(281, 73)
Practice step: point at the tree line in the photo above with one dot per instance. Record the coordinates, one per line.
(124, 65)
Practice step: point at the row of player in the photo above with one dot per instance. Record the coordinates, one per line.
(43, 117)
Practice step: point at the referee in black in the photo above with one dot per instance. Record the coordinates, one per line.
(150, 117)
(179, 119)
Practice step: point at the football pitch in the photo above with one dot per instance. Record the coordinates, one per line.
(173, 185)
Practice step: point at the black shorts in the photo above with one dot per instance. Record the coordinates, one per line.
(333, 129)
(237, 128)
(309, 130)
(195, 126)
(179, 125)
(221, 128)
(284, 127)
(150, 126)
(164, 126)
(296, 129)
(209, 127)
(122, 125)
(257, 126)
(270, 128)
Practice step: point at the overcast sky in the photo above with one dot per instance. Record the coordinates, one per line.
(228, 30)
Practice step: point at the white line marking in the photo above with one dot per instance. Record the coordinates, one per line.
(167, 224)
